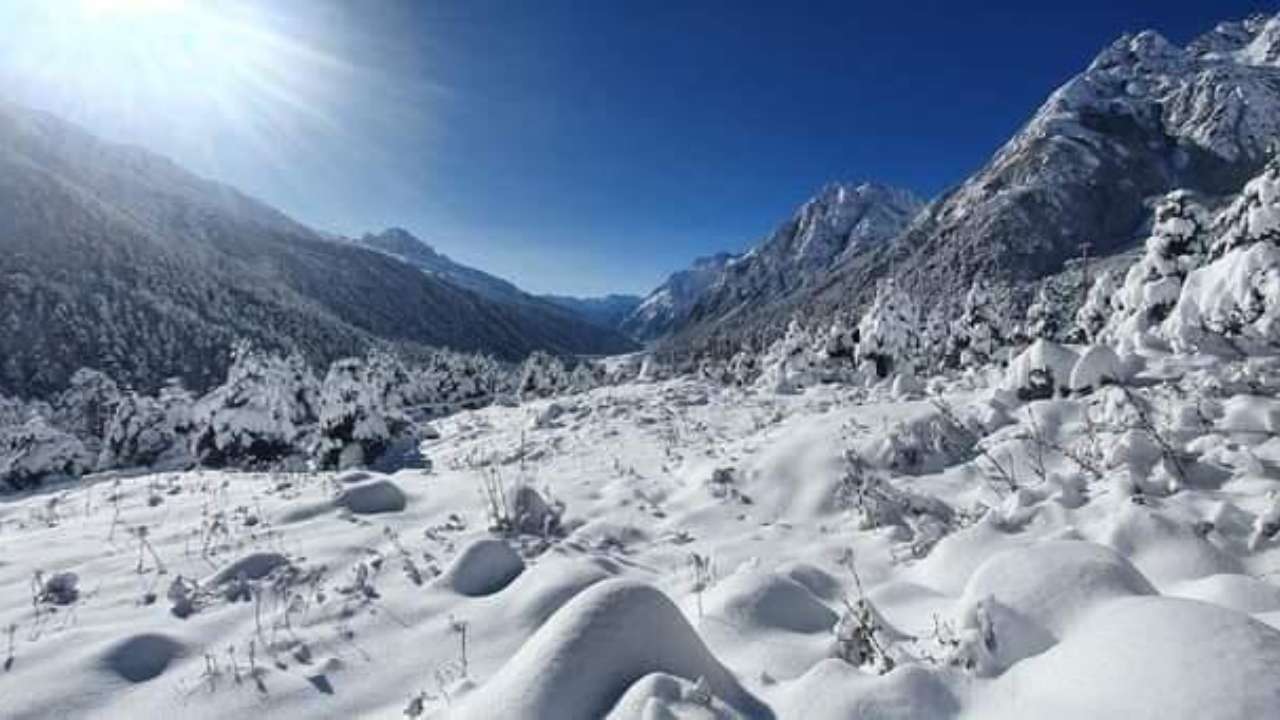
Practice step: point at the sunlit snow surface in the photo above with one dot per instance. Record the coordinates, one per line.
(1137, 588)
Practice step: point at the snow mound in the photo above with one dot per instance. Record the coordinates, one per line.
(660, 695)
(1250, 414)
(544, 588)
(586, 656)
(1165, 549)
(835, 690)
(484, 567)
(769, 601)
(351, 477)
(1040, 371)
(1148, 658)
(818, 581)
(1053, 583)
(254, 566)
(142, 657)
(1241, 593)
(1098, 366)
(371, 498)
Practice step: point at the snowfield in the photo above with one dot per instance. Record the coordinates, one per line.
(683, 549)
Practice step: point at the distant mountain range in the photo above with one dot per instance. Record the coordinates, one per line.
(609, 311)
(115, 258)
(1144, 118)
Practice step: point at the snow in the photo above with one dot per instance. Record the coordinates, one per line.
(698, 551)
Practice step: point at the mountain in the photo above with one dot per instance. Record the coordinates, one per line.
(608, 311)
(842, 220)
(667, 306)
(602, 313)
(115, 258)
(1144, 118)
(405, 246)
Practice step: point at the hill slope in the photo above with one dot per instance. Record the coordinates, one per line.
(115, 258)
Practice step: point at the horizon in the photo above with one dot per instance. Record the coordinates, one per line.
(528, 143)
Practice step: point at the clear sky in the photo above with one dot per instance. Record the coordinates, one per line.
(574, 146)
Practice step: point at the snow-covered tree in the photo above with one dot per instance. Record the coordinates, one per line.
(360, 410)
(149, 430)
(86, 407)
(36, 451)
(935, 337)
(1092, 317)
(1234, 301)
(1253, 217)
(1177, 246)
(1043, 322)
(542, 375)
(743, 368)
(260, 414)
(587, 376)
(889, 332)
(841, 342)
(978, 332)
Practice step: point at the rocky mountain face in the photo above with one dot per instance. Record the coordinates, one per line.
(1144, 118)
(117, 259)
(842, 221)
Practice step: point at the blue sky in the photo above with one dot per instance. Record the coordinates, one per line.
(572, 146)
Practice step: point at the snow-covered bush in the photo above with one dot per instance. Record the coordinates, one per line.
(149, 430)
(1176, 247)
(1098, 366)
(889, 334)
(37, 451)
(260, 414)
(1041, 371)
(359, 411)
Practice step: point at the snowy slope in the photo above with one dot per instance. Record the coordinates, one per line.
(711, 540)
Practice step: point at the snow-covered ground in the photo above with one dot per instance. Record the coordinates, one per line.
(682, 549)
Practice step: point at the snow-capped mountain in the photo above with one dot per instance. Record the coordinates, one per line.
(116, 258)
(842, 220)
(1144, 118)
(669, 304)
